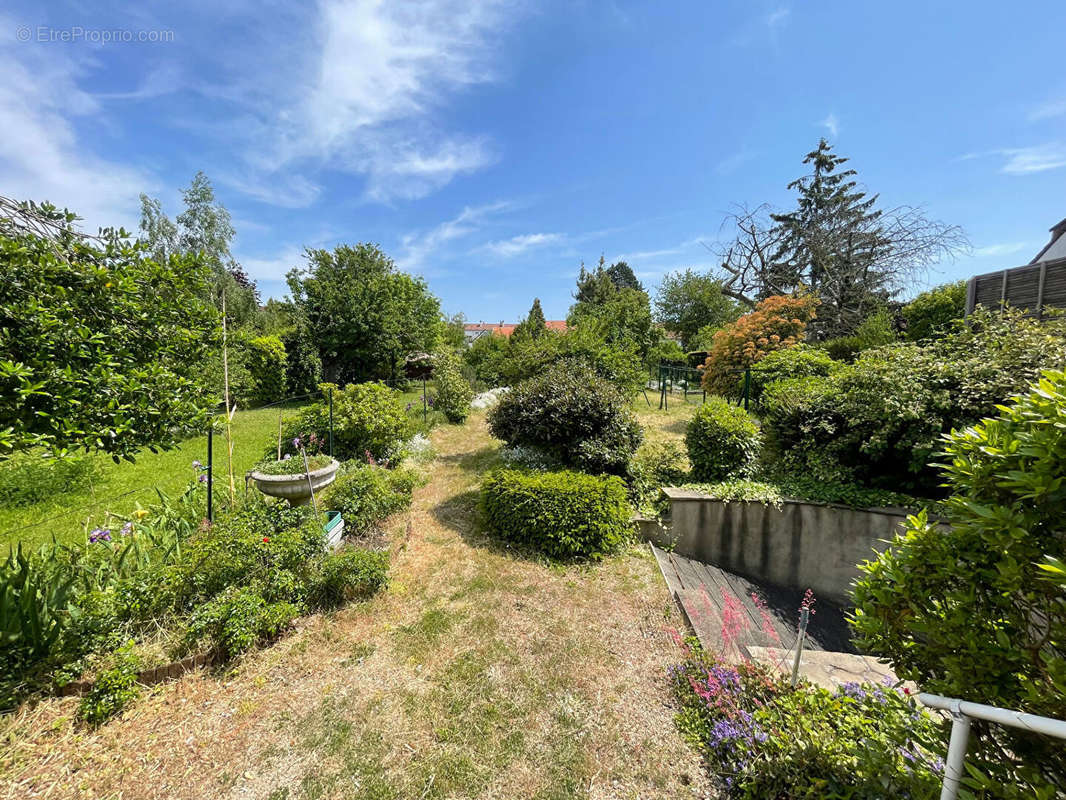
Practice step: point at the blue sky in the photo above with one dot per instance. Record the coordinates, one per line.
(492, 147)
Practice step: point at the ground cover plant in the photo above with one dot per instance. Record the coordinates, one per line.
(564, 514)
(977, 611)
(571, 413)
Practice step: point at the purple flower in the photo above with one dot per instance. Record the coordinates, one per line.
(127, 529)
(197, 465)
(286, 457)
(99, 535)
(410, 406)
(853, 690)
(430, 401)
(203, 479)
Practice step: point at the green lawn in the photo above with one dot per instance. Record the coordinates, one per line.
(120, 487)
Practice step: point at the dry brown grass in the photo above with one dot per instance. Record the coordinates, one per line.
(481, 672)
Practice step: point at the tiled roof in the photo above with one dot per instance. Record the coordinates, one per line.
(507, 328)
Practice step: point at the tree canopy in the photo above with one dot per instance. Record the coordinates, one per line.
(688, 302)
(101, 345)
(836, 243)
(365, 313)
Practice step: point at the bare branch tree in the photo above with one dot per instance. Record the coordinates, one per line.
(747, 264)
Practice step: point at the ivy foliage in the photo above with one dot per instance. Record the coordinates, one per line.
(101, 347)
(977, 610)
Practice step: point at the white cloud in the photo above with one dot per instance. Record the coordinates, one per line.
(1002, 249)
(41, 154)
(517, 245)
(734, 162)
(419, 246)
(777, 17)
(1026, 160)
(162, 80)
(1049, 110)
(273, 269)
(831, 124)
(369, 100)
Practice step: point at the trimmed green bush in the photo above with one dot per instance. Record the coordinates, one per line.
(366, 494)
(978, 610)
(453, 392)
(655, 465)
(800, 361)
(723, 441)
(563, 514)
(573, 414)
(367, 418)
(881, 419)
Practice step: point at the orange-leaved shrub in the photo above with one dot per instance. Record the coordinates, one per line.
(776, 323)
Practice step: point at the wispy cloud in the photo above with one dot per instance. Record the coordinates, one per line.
(1048, 110)
(42, 155)
(831, 124)
(369, 100)
(419, 246)
(1025, 160)
(517, 245)
(734, 162)
(1001, 249)
(777, 18)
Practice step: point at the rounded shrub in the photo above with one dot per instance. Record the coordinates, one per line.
(367, 418)
(351, 573)
(801, 361)
(574, 415)
(723, 441)
(563, 514)
(453, 392)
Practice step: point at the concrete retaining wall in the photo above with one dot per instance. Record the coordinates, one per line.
(796, 545)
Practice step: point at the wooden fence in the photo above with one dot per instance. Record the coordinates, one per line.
(1033, 287)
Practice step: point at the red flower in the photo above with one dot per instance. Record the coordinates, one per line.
(906, 690)
(266, 539)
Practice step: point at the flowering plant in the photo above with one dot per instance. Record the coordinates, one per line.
(765, 738)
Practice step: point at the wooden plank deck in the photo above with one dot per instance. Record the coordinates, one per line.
(706, 593)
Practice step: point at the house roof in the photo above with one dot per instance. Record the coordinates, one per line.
(1057, 232)
(507, 328)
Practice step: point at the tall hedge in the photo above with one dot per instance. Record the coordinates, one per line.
(264, 358)
(453, 392)
(978, 611)
(564, 514)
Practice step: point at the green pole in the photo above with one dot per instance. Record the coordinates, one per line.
(747, 387)
(331, 422)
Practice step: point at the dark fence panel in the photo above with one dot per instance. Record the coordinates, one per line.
(1033, 287)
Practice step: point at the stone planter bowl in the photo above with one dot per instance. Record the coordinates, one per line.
(296, 488)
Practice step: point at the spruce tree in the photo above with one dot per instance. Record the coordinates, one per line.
(832, 242)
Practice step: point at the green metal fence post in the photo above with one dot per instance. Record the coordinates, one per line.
(210, 472)
(747, 387)
(331, 422)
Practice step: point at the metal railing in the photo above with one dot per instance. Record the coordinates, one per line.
(962, 712)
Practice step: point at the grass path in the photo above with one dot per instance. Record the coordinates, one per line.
(479, 673)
